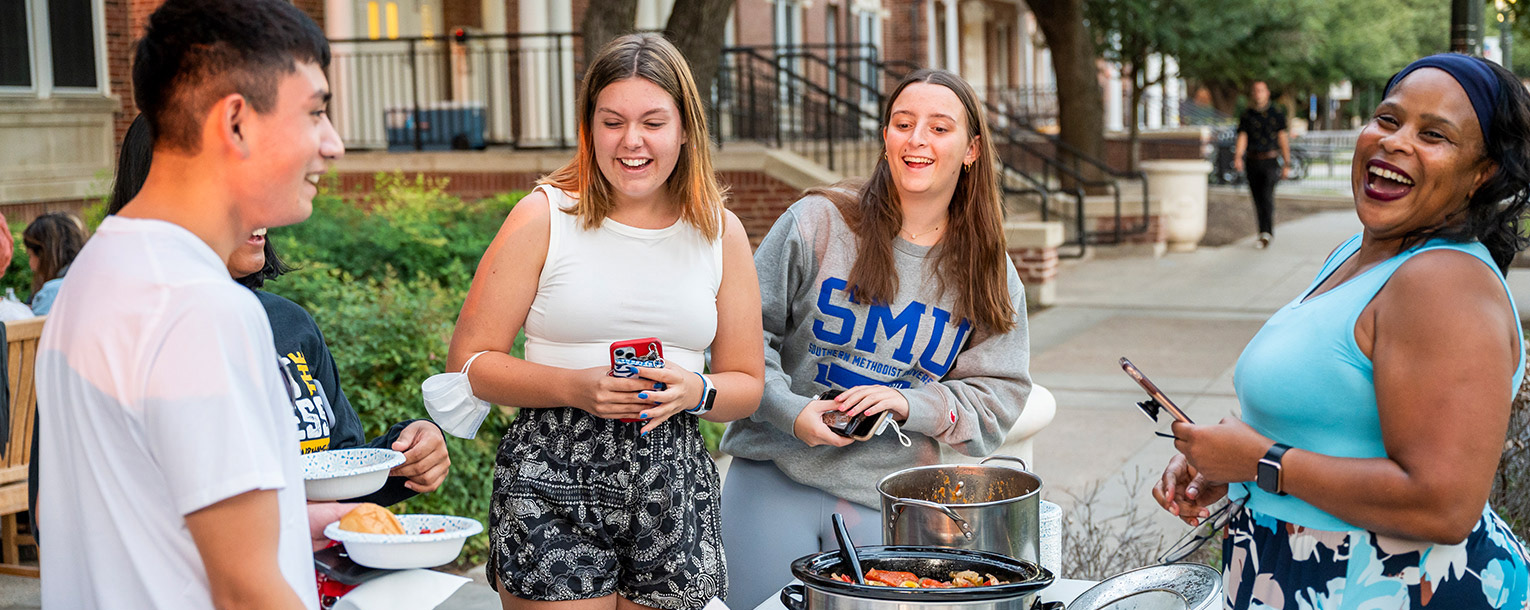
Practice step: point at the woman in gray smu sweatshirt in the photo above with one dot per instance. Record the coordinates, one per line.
(953, 380)
(965, 388)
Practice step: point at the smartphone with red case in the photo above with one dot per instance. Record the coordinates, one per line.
(630, 355)
(1152, 390)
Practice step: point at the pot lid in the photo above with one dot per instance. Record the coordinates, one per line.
(1024, 577)
(1189, 586)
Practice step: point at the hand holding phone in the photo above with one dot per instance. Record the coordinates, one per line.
(629, 356)
(860, 427)
(1150, 408)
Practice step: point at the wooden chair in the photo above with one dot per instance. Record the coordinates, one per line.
(21, 350)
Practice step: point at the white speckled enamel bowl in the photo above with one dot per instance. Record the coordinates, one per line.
(347, 473)
(402, 552)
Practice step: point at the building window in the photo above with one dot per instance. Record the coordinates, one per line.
(69, 23)
(48, 45)
(15, 57)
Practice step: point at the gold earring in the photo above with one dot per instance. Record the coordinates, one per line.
(966, 167)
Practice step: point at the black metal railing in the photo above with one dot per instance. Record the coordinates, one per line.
(1056, 167)
(440, 93)
(813, 104)
(1033, 105)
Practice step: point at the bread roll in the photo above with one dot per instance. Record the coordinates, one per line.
(368, 518)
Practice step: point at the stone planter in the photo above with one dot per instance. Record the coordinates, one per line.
(1180, 188)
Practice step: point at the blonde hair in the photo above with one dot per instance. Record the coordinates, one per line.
(693, 183)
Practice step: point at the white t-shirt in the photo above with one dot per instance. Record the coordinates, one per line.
(158, 394)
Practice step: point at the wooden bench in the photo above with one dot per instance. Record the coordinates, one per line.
(21, 358)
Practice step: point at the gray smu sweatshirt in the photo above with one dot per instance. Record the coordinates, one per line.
(965, 387)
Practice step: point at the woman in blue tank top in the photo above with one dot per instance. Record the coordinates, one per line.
(1375, 404)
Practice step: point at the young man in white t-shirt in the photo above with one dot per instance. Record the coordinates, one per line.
(170, 476)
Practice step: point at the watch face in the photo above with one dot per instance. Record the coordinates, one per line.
(1268, 476)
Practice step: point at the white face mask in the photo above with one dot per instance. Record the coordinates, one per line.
(449, 399)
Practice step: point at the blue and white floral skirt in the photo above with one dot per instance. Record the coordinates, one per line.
(1269, 563)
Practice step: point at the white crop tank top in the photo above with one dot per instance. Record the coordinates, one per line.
(615, 283)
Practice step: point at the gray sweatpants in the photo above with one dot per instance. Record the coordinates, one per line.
(769, 521)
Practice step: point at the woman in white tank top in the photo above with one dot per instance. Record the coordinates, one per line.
(603, 490)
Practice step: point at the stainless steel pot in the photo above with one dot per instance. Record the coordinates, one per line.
(964, 506)
(819, 591)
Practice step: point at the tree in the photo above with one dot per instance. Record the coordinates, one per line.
(610, 19)
(1128, 32)
(697, 27)
(1080, 101)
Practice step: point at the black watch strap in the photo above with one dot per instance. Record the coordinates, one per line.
(1269, 475)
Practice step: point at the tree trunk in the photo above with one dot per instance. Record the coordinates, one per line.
(605, 22)
(1080, 101)
(696, 27)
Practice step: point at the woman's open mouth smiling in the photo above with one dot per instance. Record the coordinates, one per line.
(1386, 182)
(917, 162)
(635, 164)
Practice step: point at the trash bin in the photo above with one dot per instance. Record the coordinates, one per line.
(442, 126)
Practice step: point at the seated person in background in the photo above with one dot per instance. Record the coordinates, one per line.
(10, 308)
(52, 241)
(325, 418)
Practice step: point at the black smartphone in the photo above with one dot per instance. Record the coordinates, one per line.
(337, 566)
(861, 427)
(1152, 390)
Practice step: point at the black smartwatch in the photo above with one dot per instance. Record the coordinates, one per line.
(1268, 475)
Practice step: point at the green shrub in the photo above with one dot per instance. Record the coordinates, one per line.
(384, 279)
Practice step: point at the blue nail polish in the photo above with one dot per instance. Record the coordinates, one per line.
(643, 395)
(658, 385)
(645, 433)
(642, 416)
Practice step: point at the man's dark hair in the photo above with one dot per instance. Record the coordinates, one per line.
(195, 52)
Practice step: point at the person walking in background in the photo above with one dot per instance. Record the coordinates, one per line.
(52, 241)
(1263, 151)
(170, 475)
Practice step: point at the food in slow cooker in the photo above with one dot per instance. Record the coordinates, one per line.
(909, 580)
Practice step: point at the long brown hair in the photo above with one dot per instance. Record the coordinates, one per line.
(970, 258)
(693, 183)
(54, 238)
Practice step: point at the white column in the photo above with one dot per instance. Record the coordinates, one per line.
(495, 70)
(973, 59)
(929, 33)
(1113, 120)
(536, 78)
(953, 46)
(494, 18)
(1152, 97)
(340, 23)
(1173, 92)
(1027, 78)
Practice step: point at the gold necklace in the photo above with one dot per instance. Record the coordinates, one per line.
(912, 235)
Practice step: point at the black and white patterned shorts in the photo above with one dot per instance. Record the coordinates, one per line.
(584, 507)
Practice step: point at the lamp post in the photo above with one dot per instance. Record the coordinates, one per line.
(1466, 27)
(1506, 30)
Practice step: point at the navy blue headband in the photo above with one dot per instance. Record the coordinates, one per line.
(1476, 78)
